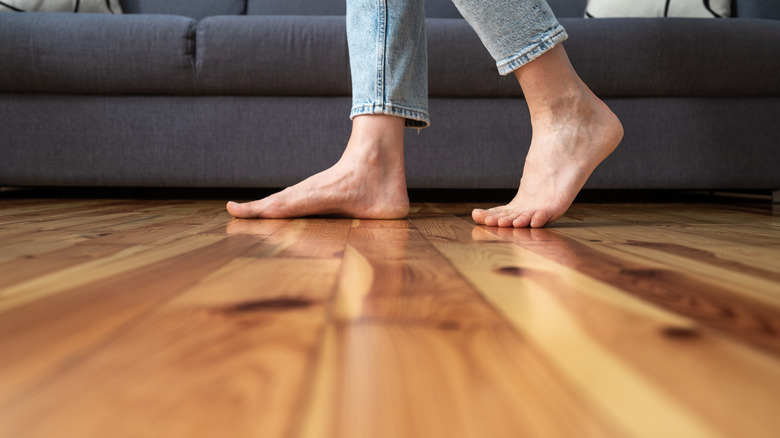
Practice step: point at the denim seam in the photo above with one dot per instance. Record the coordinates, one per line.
(381, 55)
(415, 118)
(549, 40)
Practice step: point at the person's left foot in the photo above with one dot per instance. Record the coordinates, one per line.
(565, 149)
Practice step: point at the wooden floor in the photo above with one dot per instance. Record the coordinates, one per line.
(157, 318)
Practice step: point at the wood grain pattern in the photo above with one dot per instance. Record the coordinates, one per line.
(167, 318)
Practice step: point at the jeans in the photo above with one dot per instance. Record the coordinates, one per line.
(388, 54)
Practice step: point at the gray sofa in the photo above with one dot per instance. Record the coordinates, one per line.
(255, 93)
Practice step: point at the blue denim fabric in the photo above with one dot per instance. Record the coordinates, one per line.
(515, 32)
(388, 59)
(388, 54)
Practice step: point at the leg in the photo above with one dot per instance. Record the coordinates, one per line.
(389, 84)
(573, 131)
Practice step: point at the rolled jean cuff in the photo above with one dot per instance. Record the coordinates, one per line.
(548, 40)
(414, 118)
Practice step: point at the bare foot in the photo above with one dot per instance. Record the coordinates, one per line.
(573, 131)
(368, 182)
(565, 149)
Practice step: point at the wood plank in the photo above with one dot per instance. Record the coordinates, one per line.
(302, 238)
(709, 303)
(413, 351)
(56, 330)
(30, 267)
(230, 355)
(396, 276)
(48, 208)
(596, 343)
(122, 224)
(169, 318)
(756, 257)
(106, 267)
(391, 380)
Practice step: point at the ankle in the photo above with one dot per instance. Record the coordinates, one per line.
(377, 128)
(376, 141)
(562, 107)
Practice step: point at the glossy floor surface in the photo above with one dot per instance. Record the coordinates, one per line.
(165, 318)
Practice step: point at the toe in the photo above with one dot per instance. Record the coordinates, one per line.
(491, 220)
(235, 209)
(479, 215)
(539, 219)
(499, 217)
(522, 221)
(245, 210)
(507, 220)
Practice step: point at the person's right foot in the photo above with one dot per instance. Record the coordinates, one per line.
(368, 182)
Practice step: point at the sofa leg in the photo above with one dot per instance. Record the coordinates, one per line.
(776, 196)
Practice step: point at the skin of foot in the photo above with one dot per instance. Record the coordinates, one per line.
(368, 182)
(573, 132)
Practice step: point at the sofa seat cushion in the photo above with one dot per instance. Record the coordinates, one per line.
(96, 54)
(273, 55)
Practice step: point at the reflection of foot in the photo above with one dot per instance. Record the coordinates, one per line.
(567, 146)
(368, 181)
(263, 229)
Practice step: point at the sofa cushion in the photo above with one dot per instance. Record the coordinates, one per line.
(267, 55)
(196, 9)
(96, 54)
(84, 6)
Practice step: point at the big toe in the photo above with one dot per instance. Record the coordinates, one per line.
(489, 217)
(243, 211)
(479, 215)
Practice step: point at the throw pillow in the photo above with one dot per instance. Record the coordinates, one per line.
(658, 8)
(88, 6)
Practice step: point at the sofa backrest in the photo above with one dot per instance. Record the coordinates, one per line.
(433, 8)
(189, 8)
(757, 9)
(203, 8)
(568, 8)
